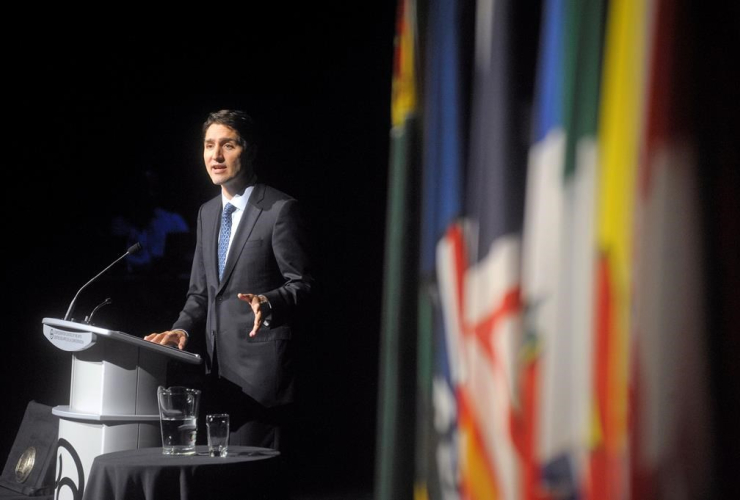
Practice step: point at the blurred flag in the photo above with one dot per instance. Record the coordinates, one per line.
(669, 398)
(583, 48)
(559, 236)
(550, 308)
(471, 258)
(620, 126)
(444, 145)
(546, 410)
(478, 266)
(396, 400)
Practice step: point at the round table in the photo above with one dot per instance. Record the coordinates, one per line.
(146, 474)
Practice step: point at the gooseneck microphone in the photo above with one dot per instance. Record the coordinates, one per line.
(132, 249)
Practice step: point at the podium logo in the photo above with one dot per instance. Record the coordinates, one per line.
(76, 489)
(69, 340)
(25, 464)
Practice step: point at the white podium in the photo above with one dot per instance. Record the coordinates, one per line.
(113, 398)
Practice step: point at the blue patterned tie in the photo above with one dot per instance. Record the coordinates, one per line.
(223, 237)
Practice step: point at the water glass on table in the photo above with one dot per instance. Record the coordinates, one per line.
(217, 425)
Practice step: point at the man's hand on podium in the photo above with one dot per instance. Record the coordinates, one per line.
(175, 338)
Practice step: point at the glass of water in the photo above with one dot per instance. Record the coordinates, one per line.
(217, 425)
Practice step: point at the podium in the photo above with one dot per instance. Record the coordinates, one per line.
(113, 397)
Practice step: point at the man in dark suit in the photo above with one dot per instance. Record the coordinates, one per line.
(248, 313)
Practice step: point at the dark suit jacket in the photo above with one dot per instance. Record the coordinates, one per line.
(269, 256)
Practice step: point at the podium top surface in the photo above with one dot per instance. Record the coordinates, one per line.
(72, 327)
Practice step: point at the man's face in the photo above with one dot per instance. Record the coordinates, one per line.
(223, 156)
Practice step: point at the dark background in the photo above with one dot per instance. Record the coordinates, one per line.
(90, 108)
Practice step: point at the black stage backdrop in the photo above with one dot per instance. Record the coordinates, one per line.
(90, 109)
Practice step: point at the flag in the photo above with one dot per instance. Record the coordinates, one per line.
(478, 264)
(620, 127)
(437, 475)
(394, 471)
(669, 397)
(545, 410)
(558, 257)
(566, 419)
(470, 299)
(560, 302)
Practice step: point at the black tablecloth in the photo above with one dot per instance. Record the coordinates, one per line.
(146, 474)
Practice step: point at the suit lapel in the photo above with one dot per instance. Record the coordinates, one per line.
(244, 230)
(211, 227)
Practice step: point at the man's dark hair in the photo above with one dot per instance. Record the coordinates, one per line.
(241, 122)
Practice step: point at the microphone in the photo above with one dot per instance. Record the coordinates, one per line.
(132, 249)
